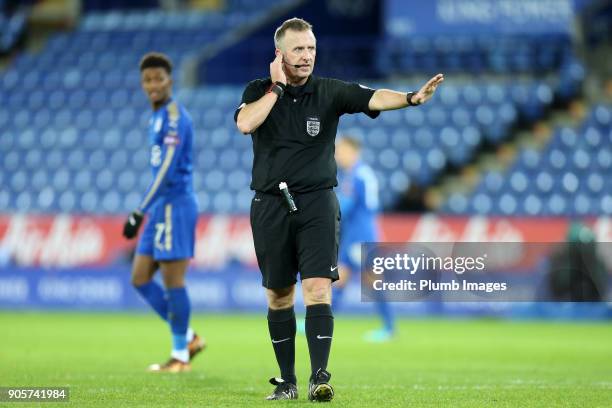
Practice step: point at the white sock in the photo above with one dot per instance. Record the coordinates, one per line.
(190, 334)
(182, 355)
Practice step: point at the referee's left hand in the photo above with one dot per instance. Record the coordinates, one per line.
(132, 225)
(427, 91)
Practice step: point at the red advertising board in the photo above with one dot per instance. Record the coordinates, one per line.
(69, 241)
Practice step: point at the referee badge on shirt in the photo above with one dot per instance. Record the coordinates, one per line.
(313, 125)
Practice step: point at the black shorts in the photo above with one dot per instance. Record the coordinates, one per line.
(304, 242)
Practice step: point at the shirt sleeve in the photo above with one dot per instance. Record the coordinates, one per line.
(253, 92)
(353, 98)
(175, 130)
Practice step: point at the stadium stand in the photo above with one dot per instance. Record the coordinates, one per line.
(570, 176)
(476, 54)
(75, 116)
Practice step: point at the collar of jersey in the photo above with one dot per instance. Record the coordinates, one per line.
(308, 87)
(164, 105)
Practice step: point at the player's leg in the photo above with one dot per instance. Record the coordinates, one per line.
(276, 258)
(317, 240)
(173, 249)
(344, 275)
(349, 261)
(386, 314)
(384, 310)
(143, 270)
(179, 307)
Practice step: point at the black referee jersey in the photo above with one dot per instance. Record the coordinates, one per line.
(295, 143)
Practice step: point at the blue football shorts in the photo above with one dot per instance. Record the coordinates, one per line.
(169, 232)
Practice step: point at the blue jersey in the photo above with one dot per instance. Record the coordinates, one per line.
(171, 143)
(358, 196)
(169, 233)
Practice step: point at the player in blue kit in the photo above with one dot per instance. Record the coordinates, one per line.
(357, 193)
(168, 239)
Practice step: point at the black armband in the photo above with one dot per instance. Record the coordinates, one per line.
(409, 96)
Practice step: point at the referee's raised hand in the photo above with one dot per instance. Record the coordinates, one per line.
(276, 69)
(427, 90)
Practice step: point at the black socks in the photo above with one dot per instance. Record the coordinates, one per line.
(281, 324)
(319, 332)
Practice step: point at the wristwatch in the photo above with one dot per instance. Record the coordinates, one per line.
(278, 88)
(409, 96)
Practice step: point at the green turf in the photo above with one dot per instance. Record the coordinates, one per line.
(432, 363)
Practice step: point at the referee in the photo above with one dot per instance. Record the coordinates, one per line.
(292, 117)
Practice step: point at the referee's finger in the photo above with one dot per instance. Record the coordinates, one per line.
(433, 81)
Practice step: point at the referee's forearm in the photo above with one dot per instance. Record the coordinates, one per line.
(386, 99)
(251, 116)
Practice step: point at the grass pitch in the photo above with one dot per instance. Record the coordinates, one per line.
(432, 363)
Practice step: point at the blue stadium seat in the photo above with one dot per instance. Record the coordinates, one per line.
(223, 202)
(377, 138)
(228, 159)
(581, 205)
(111, 202)
(519, 182)
(388, 159)
(401, 140)
(131, 200)
(25, 202)
(481, 203)
(507, 204)
(556, 205)
(238, 179)
(457, 203)
(206, 159)
(126, 181)
(105, 179)
(606, 205)
(595, 184)
(215, 180)
(66, 202)
(532, 205)
(89, 202)
(83, 181)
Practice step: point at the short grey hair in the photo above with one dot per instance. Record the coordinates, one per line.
(295, 24)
